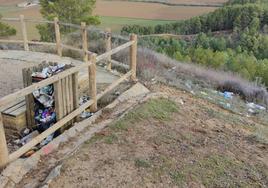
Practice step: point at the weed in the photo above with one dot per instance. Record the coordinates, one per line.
(159, 109)
(141, 163)
(110, 139)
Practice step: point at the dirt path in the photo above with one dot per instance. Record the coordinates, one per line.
(182, 142)
(12, 63)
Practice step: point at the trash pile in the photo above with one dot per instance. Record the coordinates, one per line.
(44, 109)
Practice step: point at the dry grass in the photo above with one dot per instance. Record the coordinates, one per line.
(152, 65)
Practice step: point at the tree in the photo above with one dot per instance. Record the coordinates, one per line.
(6, 30)
(69, 11)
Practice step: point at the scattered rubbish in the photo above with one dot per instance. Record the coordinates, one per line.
(117, 93)
(83, 100)
(29, 153)
(181, 102)
(47, 140)
(27, 138)
(225, 105)
(203, 93)
(25, 132)
(227, 94)
(255, 106)
(48, 71)
(86, 114)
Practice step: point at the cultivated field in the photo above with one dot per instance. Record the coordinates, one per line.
(148, 10)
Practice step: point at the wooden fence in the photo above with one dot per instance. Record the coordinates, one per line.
(90, 60)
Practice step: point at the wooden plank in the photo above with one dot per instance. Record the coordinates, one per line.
(14, 107)
(25, 91)
(114, 51)
(58, 99)
(58, 37)
(93, 83)
(117, 63)
(63, 83)
(13, 156)
(24, 33)
(114, 84)
(133, 56)
(84, 41)
(75, 92)
(3, 145)
(108, 46)
(72, 48)
(12, 41)
(41, 43)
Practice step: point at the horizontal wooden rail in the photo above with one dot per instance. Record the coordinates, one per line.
(72, 48)
(25, 91)
(114, 84)
(13, 156)
(90, 60)
(11, 41)
(114, 51)
(117, 63)
(42, 43)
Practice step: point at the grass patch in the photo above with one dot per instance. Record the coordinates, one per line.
(159, 109)
(141, 163)
(116, 23)
(220, 171)
(110, 139)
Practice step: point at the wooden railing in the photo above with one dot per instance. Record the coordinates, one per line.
(90, 60)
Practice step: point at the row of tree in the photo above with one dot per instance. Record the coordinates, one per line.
(214, 53)
(230, 17)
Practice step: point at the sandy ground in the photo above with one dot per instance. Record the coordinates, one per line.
(12, 63)
(201, 146)
(11, 75)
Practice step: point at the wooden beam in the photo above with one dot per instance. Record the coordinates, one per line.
(11, 41)
(13, 156)
(114, 51)
(108, 46)
(93, 82)
(133, 56)
(25, 91)
(114, 84)
(58, 37)
(75, 92)
(3, 145)
(72, 48)
(84, 41)
(24, 33)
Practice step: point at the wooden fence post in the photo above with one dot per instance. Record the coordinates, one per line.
(133, 56)
(24, 33)
(108, 46)
(3, 145)
(84, 41)
(58, 37)
(93, 83)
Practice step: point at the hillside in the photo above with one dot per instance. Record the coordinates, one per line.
(165, 141)
(232, 38)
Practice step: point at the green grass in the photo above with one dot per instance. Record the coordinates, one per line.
(158, 109)
(116, 23)
(141, 163)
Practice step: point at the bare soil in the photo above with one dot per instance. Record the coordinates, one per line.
(195, 144)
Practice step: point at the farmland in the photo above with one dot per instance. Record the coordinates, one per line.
(115, 14)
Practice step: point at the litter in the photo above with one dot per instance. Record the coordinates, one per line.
(227, 94)
(255, 106)
(27, 138)
(49, 71)
(47, 140)
(86, 114)
(83, 100)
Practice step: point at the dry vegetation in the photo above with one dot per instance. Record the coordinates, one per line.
(163, 143)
